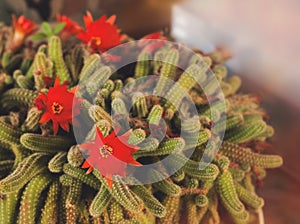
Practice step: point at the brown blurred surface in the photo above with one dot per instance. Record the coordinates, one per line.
(281, 188)
(135, 17)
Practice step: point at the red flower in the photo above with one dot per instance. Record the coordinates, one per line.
(57, 106)
(111, 58)
(22, 28)
(102, 34)
(110, 155)
(152, 41)
(71, 28)
(154, 36)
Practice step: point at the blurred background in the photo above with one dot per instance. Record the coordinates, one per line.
(263, 36)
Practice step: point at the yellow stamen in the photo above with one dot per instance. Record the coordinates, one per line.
(56, 108)
(97, 40)
(106, 151)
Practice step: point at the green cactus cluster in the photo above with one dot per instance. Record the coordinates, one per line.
(41, 176)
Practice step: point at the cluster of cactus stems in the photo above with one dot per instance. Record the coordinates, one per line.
(41, 176)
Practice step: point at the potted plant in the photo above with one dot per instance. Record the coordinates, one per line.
(87, 111)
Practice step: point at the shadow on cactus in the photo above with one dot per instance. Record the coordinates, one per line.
(207, 144)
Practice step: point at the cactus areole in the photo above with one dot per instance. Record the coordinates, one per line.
(98, 128)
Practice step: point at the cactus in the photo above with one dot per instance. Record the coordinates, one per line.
(18, 97)
(42, 179)
(171, 204)
(167, 72)
(8, 207)
(78, 173)
(75, 61)
(193, 74)
(75, 158)
(25, 171)
(50, 209)
(56, 164)
(228, 194)
(93, 63)
(100, 202)
(40, 71)
(56, 56)
(53, 144)
(32, 121)
(143, 65)
(165, 148)
(150, 201)
(166, 186)
(31, 196)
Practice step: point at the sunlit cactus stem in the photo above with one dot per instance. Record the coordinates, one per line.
(50, 209)
(56, 56)
(22, 81)
(93, 63)
(55, 165)
(163, 184)
(42, 70)
(136, 137)
(32, 121)
(167, 73)
(52, 144)
(115, 212)
(26, 169)
(140, 108)
(31, 196)
(244, 155)
(97, 79)
(193, 74)
(155, 115)
(150, 201)
(100, 202)
(248, 197)
(74, 156)
(8, 207)
(143, 65)
(172, 205)
(229, 197)
(73, 197)
(16, 97)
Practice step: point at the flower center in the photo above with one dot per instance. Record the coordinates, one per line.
(56, 108)
(97, 40)
(105, 151)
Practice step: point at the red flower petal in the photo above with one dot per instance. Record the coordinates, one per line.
(65, 126)
(57, 106)
(123, 37)
(55, 127)
(111, 19)
(57, 82)
(71, 28)
(101, 34)
(45, 118)
(109, 155)
(109, 181)
(40, 101)
(156, 35)
(135, 163)
(22, 28)
(85, 165)
(151, 46)
(111, 58)
(88, 19)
